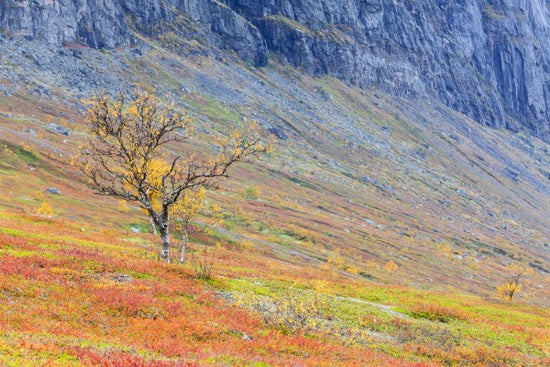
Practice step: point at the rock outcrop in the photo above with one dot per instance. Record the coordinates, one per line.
(489, 59)
(112, 23)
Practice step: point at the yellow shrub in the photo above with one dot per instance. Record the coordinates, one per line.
(508, 290)
(252, 193)
(352, 269)
(390, 267)
(246, 245)
(38, 195)
(335, 261)
(45, 210)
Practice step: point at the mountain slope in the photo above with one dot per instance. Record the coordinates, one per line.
(487, 59)
(378, 178)
(390, 219)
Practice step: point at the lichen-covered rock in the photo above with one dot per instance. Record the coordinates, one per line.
(489, 59)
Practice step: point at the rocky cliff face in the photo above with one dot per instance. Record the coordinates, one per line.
(489, 59)
(112, 23)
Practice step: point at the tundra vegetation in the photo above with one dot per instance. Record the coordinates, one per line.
(58, 275)
(300, 274)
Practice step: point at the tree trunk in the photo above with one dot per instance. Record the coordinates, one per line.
(153, 226)
(164, 235)
(184, 240)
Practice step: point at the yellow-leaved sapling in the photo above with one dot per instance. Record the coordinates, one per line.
(184, 211)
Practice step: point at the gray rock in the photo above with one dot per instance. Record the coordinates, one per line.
(512, 173)
(41, 91)
(8, 92)
(370, 222)
(278, 132)
(103, 24)
(54, 191)
(465, 54)
(58, 129)
(455, 137)
(374, 182)
(135, 229)
(122, 278)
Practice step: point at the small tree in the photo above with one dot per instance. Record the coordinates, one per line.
(128, 155)
(184, 211)
(203, 262)
(335, 261)
(521, 276)
(509, 289)
(45, 210)
(390, 268)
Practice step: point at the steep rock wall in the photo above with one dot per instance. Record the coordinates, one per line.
(489, 59)
(109, 23)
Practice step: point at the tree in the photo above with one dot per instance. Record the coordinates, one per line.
(45, 210)
(129, 155)
(511, 287)
(335, 261)
(183, 212)
(508, 289)
(391, 268)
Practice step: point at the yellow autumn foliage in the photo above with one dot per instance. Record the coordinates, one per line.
(45, 210)
(390, 267)
(191, 204)
(508, 290)
(131, 157)
(290, 311)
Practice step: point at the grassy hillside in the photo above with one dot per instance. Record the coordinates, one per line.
(302, 259)
(74, 294)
